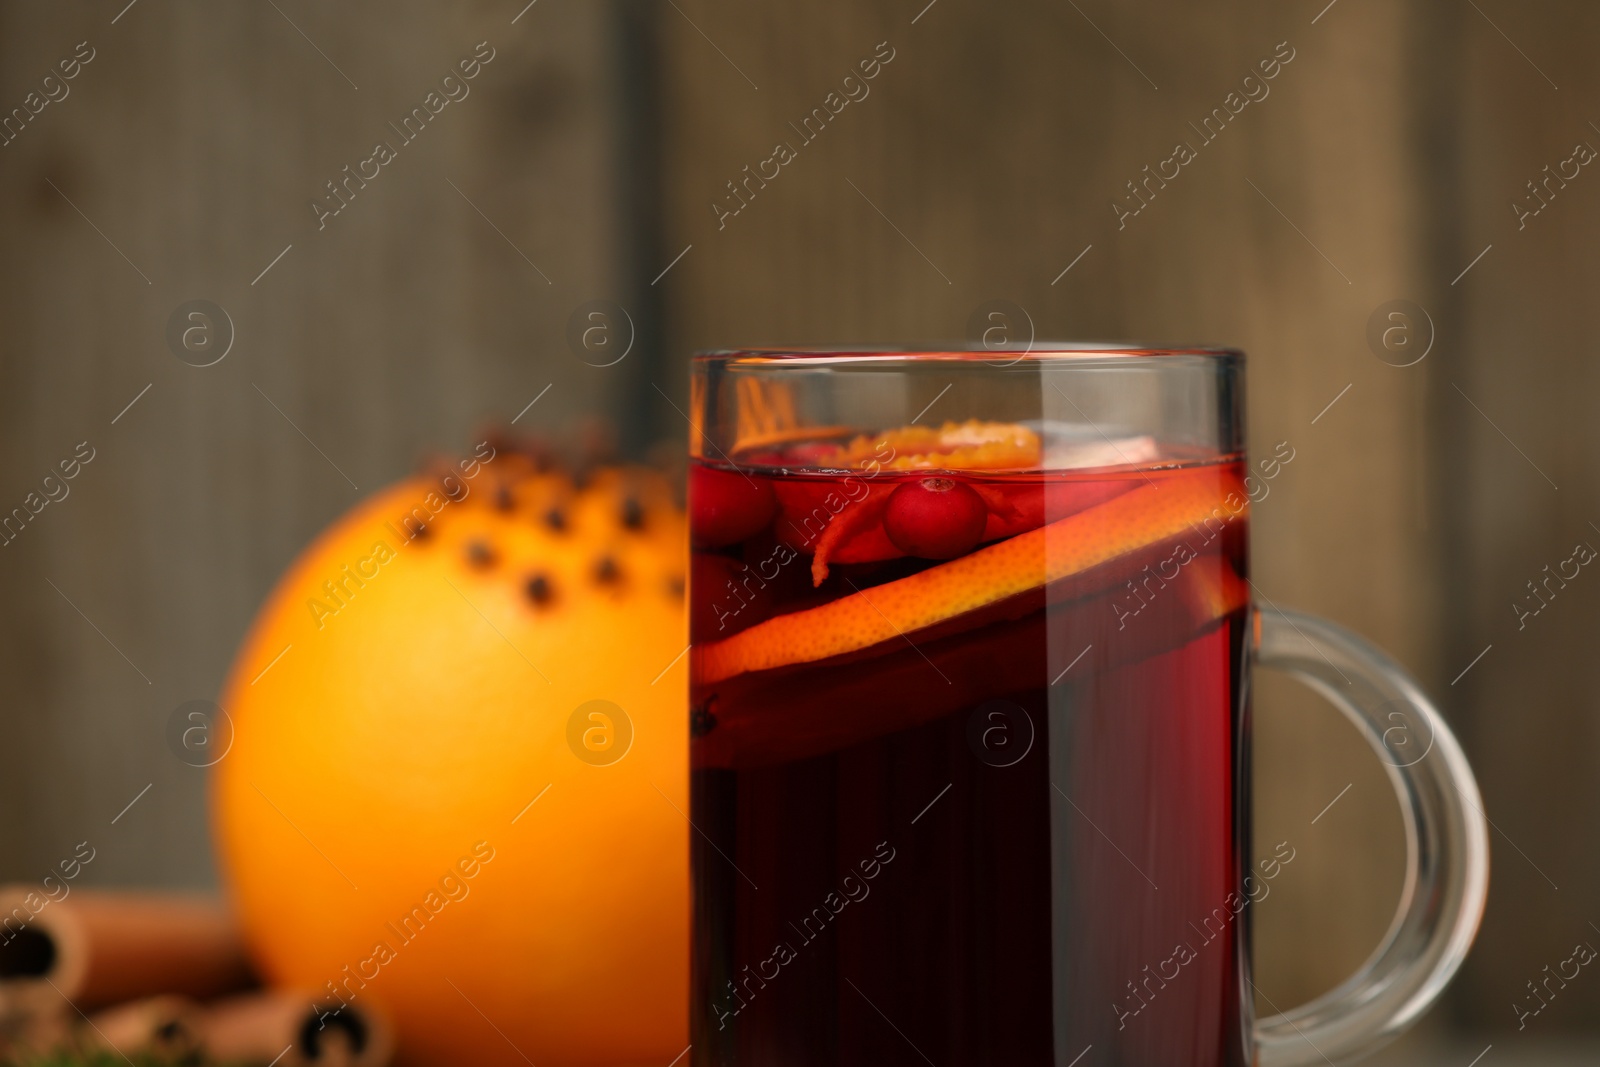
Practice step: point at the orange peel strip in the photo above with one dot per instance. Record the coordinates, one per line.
(1214, 592)
(1135, 520)
(858, 515)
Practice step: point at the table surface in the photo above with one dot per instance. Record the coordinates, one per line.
(1502, 1050)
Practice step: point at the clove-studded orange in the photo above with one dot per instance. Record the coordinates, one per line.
(422, 808)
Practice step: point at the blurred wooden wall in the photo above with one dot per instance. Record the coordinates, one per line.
(1528, 479)
(194, 142)
(982, 164)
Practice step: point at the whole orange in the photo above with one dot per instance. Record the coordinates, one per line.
(424, 807)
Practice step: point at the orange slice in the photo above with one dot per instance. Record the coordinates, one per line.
(1201, 500)
(965, 446)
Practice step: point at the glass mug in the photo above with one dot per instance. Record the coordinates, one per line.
(970, 726)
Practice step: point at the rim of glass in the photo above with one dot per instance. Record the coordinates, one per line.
(1037, 352)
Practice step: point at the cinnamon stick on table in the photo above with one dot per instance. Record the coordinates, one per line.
(97, 949)
(261, 1027)
(167, 1026)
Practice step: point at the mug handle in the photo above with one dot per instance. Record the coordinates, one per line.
(1447, 845)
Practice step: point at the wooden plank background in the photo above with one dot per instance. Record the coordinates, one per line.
(194, 142)
(980, 166)
(1529, 471)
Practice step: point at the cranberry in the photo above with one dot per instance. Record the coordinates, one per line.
(935, 518)
(725, 507)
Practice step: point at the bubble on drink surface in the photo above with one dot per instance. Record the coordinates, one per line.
(1407, 736)
(1400, 332)
(599, 732)
(600, 332)
(199, 332)
(199, 733)
(1002, 327)
(1000, 733)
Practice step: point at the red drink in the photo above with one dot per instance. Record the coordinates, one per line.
(966, 750)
